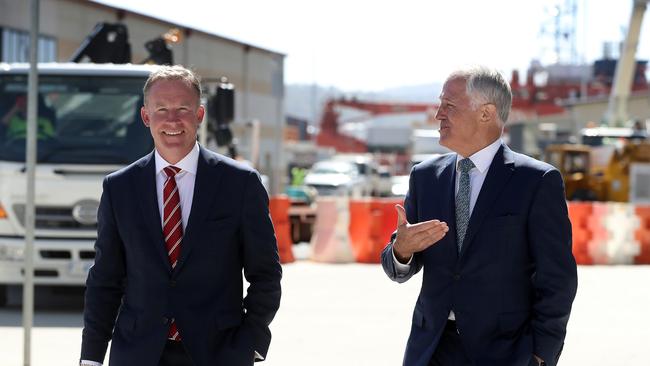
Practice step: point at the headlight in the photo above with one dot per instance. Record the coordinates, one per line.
(12, 253)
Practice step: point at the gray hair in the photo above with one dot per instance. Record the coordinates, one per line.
(176, 72)
(485, 85)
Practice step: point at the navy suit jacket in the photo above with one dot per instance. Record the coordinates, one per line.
(512, 286)
(132, 291)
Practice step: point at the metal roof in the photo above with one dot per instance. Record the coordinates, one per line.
(67, 68)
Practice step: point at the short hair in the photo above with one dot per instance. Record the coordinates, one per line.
(485, 85)
(176, 72)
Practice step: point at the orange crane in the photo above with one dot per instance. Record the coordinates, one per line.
(330, 136)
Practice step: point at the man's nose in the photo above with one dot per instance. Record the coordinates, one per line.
(173, 116)
(439, 114)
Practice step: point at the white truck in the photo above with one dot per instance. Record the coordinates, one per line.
(89, 118)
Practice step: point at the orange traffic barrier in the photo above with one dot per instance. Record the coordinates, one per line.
(372, 221)
(360, 229)
(388, 220)
(279, 209)
(642, 234)
(579, 213)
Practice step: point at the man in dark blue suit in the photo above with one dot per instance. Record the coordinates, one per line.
(175, 230)
(490, 228)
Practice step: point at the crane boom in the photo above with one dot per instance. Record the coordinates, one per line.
(617, 108)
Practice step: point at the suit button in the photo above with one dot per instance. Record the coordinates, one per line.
(457, 276)
(165, 320)
(172, 283)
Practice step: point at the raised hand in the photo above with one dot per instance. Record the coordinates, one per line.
(413, 238)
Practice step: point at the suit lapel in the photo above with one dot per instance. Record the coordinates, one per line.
(498, 175)
(146, 187)
(448, 204)
(205, 188)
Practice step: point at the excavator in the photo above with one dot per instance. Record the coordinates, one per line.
(629, 148)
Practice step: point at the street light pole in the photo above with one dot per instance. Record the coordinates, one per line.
(30, 161)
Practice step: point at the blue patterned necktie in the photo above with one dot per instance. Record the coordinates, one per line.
(462, 201)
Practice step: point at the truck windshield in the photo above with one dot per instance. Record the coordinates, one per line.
(81, 120)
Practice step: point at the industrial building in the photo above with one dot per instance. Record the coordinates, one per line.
(257, 73)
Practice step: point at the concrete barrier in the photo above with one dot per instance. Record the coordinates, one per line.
(330, 240)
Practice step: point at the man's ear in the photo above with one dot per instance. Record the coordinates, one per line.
(488, 112)
(200, 112)
(145, 116)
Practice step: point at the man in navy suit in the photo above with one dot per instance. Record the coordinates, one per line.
(175, 230)
(490, 228)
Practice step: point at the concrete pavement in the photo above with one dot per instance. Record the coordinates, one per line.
(351, 314)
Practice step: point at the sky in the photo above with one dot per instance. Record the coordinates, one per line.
(372, 45)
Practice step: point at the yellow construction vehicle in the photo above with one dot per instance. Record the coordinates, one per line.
(586, 180)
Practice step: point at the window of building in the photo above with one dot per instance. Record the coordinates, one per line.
(15, 46)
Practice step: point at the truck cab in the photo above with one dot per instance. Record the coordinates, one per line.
(89, 126)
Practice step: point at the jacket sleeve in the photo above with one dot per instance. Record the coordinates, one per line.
(387, 261)
(555, 280)
(105, 283)
(261, 265)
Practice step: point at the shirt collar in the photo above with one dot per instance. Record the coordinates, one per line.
(483, 158)
(188, 163)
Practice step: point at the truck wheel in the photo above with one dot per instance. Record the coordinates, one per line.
(3, 295)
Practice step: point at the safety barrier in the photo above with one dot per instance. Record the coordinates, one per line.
(352, 230)
(330, 238)
(579, 214)
(610, 232)
(642, 235)
(356, 230)
(372, 221)
(279, 209)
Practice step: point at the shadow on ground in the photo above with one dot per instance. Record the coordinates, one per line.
(53, 307)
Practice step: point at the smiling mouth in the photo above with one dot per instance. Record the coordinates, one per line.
(172, 133)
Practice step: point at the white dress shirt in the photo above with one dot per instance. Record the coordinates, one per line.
(482, 160)
(184, 181)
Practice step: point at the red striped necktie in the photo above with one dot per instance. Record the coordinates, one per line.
(172, 228)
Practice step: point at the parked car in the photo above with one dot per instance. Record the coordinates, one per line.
(304, 195)
(400, 185)
(335, 177)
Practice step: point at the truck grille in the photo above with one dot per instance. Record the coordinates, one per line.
(53, 218)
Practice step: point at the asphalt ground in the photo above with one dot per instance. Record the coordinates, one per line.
(351, 314)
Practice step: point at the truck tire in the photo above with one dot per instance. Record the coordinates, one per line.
(3, 295)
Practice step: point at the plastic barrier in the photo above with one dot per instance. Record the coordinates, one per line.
(279, 209)
(330, 239)
(621, 222)
(642, 235)
(599, 234)
(361, 229)
(610, 235)
(579, 213)
(388, 222)
(372, 221)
